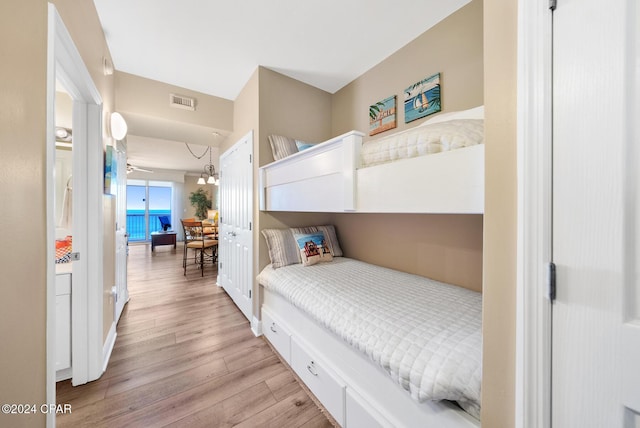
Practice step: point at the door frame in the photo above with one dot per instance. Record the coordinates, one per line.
(65, 64)
(534, 246)
(122, 295)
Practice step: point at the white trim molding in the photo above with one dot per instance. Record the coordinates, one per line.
(65, 65)
(256, 326)
(533, 334)
(108, 346)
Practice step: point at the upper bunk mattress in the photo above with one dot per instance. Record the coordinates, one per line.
(425, 334)
(423, 140)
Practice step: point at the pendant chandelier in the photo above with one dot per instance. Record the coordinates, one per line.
(210, 173)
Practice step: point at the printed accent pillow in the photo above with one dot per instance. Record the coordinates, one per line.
(329, 233)
(283, 250)
(313, 248)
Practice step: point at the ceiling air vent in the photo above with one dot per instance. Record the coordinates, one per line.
(183, 102)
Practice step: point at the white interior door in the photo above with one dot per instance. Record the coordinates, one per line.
(122, 292)
(596, 214)
(235, 266)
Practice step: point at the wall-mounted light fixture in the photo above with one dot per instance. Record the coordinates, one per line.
(118, 126)
(107, 66)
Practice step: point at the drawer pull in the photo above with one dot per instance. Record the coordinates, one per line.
(312, 369)
(273, 327)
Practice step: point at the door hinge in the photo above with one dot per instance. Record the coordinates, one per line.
(220, 265)
(250, 225)
(249, 293)
(250, 158)
(551, 279)
(74, 256)
(553, 4)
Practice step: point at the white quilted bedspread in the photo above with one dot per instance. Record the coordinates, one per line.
(423, 140)
(425, 334)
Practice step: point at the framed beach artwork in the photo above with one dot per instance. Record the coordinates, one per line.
(382, 115)
(110, 171)
(422, 98)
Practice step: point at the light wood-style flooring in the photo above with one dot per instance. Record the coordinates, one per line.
(186, 357)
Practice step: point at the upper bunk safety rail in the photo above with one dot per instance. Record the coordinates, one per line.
(310, 180)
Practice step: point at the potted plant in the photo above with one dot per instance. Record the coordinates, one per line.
(200, 200)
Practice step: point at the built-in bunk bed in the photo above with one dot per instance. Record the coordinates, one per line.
(377, 347)
(436, 167)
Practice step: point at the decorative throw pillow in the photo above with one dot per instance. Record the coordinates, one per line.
(332, 239)
(313, 248)
(282, 146)
(301, 145)
(283, 250)
(329, 233)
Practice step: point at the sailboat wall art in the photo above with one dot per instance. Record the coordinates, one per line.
(422, 98)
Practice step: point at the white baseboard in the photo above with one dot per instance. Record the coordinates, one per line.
(256, 327)
(108, 346)
(64, 374)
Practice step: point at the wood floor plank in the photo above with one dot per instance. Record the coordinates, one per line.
(283, 385)
(199, 397)
(230, 411)
(293, 411)
(186, 356)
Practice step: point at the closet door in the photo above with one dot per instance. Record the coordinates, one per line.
(235, 267)
(596, 214)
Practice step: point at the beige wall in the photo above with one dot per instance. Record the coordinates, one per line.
(246, 115)
(443, 247)
(500, 218)
(291, 108)
(22, 185)
(151, 98)
(448, 248)
(453, 48)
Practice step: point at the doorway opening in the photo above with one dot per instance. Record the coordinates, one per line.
(147, 203)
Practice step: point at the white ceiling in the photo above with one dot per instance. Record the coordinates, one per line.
(214, 46)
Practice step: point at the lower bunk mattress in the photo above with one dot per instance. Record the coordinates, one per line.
(426, 335)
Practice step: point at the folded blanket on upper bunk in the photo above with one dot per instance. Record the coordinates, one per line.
(423, 140)
(425, 334)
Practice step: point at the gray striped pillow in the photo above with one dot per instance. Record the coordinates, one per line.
(283, 250)
(282, 146)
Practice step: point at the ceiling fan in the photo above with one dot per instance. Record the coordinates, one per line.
(131, 168)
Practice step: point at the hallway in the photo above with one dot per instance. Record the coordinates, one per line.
(186, 357)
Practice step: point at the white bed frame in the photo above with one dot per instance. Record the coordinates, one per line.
(354, 390)
(328, 178)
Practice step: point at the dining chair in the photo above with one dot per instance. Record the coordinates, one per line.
(195, 239)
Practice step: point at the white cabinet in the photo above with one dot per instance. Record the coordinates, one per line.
(321, 380)
(63, 326)
(277, 334)
(361, 414)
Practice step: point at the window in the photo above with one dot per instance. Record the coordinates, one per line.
(146, 201)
